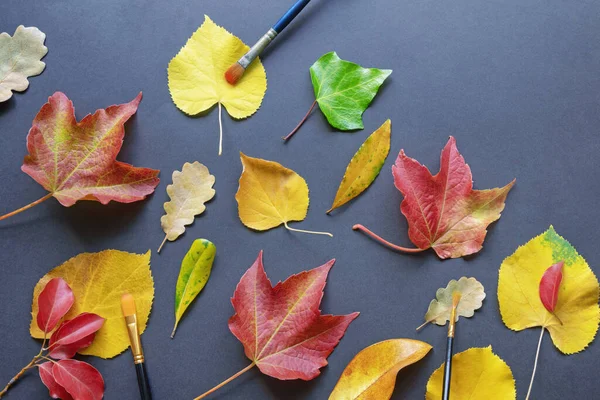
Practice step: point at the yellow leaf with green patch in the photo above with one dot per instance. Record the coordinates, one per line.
(477, 374)
(574, 323)
(193, 275)
(98, 281)
(364, 165)
(197, 75)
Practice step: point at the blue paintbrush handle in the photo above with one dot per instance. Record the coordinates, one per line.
(290, 15)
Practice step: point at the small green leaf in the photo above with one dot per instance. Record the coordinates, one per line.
(194, 273)
(364, 166)
(343, 90)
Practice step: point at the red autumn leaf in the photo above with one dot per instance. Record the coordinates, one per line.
(74, 335)
(56, 391)
(443, 210)
(549, 285)
(77, 160)
(66, 351)
(53, 303)
(281, 327)
(80, 379)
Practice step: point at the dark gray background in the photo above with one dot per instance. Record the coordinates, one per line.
(515, 81)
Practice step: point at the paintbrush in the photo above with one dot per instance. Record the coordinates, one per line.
(128, 307)
(449, 346)
(236, 71)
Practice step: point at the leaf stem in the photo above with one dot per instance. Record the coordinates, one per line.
(19, 375)
(303, 231)
(220, 130)
(225, 382)
(27, 207)
(537, 354)
(359, 227)
(301, 122)
(162, 244)
(423, 324)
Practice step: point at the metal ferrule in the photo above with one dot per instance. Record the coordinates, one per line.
(258, 48)
(134, 339)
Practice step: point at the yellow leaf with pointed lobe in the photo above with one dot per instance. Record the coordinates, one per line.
(577, 304)
(191, 188)
(477, 374)
(371, 375)
(270, 195)
(98, 281)
(196, 74)
(364, 165)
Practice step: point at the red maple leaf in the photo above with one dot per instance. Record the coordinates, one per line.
(77, 160)
(443, 210)
(281, 327)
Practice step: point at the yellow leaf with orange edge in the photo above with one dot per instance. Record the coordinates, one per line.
(371, 375)
(197, 75)
(574, 323)
(477, 374)
(98, 281)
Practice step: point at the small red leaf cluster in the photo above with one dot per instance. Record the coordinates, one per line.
(65, 378)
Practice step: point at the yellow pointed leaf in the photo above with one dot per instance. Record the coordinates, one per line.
(364, 165)
(471, 299)
(98, 281)
(577, 304)
(196, 74)
(477, 374)
(371, 375)
(191, 188)
(270, 195)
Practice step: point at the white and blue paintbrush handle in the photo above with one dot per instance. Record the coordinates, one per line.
(268, 37)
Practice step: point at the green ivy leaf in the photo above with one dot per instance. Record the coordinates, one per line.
(343, 90)
(193, 275)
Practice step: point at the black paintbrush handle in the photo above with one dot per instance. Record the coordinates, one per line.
(447, 369)
(142, 377)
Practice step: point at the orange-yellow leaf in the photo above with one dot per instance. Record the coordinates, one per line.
(371, 375)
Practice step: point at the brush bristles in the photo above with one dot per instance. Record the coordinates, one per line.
(128, 305)
(234, 73)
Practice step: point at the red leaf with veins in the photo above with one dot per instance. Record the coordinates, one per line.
(443, 210)
(549, 285)
(281, 327)
(77, 160)
(80, 379)
(56, 391)
(53, 303)
(64, 352)
(74, 335)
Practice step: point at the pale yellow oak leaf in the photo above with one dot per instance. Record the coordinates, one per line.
(477, 374)
(20, 57)
(471, 298)
(197, 75)
(576, 316)
(98, 281)
(270, 194)
(191, 188)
